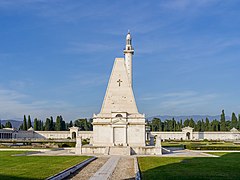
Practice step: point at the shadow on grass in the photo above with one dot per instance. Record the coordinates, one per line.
(224, 167)
(7, 177)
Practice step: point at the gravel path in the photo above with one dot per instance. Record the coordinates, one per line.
(124, 169)
(89, 170)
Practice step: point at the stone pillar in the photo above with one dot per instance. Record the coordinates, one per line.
(112, 136)
(158, 146)
(125, 136)
(151, 141)
(78, 148)
(91, 140)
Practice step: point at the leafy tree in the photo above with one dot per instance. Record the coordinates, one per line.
(156, 124)
(83, 124)
(29, 123)
(234, 121)
(223, 122)
(24, 123)
(8, 124)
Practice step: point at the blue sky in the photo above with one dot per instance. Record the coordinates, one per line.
(56, 56)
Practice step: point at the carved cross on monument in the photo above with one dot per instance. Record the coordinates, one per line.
(119, 81)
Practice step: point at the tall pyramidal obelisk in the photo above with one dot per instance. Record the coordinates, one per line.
(119, 122)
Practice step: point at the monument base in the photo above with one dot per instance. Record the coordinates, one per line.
(121, 150)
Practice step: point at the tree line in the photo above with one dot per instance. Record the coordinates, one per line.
(50, 125)
(201, 125)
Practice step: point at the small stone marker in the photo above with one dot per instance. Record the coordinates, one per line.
(78, 148)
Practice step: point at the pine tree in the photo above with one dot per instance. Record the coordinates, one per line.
(8, 124)
(234, 121)
(29, 124)
(24, 123)
(223, 122)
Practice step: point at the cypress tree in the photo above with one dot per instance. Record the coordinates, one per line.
(51, 124)
(47, 125)
(21, 127)
(70, 124)
(238, 122)
(35, 124)
(29, 124)
(192, 123)
(186, 123)
(203, 125)
(223, 122)
(41, 126)
(58, 124)
(207, 125)
(24, 123)
(234, 121)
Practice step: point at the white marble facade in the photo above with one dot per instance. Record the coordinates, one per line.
(119, 123)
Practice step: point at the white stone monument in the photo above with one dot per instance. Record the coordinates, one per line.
(119, 123)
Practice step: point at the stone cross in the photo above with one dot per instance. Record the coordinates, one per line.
(119, 81)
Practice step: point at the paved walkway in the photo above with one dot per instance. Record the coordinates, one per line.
(187, 153)
(124, 169)
(107, 169)
(89, 170)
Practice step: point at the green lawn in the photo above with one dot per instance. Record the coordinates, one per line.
(227, 166)
(34, 167)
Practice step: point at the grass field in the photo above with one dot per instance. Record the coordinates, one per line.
(34, 167)
(227, 166)
(202, 145)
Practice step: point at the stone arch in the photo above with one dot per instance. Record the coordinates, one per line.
(188, 135)
(118, 115)
(74, 135)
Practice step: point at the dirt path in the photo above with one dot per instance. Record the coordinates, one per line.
(89, 170)
(124, 169)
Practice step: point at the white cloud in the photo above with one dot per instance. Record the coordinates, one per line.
(13, 105)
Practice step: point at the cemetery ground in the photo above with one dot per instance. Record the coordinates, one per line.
(226, 166)
(13, 166)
